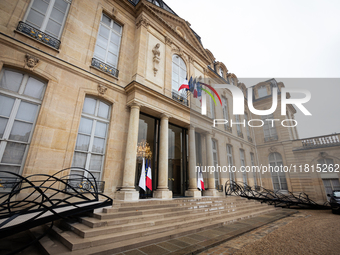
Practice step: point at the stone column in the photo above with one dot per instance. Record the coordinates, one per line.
(211, 191)
(163, 191)
(128, 191)
(192, 191)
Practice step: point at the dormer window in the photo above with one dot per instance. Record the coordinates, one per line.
(262, 91)
(221, 72)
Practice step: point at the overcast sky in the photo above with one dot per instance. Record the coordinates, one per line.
(277, 39)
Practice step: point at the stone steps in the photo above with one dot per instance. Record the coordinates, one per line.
(97, 222)
(128, 225)
(54, 247)
(85, 231)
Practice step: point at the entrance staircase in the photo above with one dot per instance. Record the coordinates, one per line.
(128, 225)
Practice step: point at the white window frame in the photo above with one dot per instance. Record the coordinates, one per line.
(180, 80)
(270, 125)
(247, 126)
(243, 163)
(18, 98)
(47, 16)
(252, 159)
(238, 126)
(278, 161)
(230, 161)
(212, 108)
(110, 33)
(89, 152)
(215, 152)
(225, 112)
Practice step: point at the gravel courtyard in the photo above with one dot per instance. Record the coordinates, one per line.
(307, 232)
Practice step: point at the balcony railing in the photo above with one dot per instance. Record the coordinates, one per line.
(228, 128)
(240, 134)
(321, 141)
(38, 35)
(181, 98)
(250, 139)
(104, 67)
(271, 138)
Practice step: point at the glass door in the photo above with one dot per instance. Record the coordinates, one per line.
(177, 160)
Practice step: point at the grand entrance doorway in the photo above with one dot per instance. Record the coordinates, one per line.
(148, 134)
(177, 162)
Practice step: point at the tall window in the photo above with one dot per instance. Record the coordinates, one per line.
(269, 128)
(247, 126)
(238, 126)
(225, 113)
(230, 161)
(20, 100)
(215, 158)
(179, 72)
(92, 134)
(278, 178)
(243, 163)
(253, 164)
(326, 162)
(212, 108)
(262, 91)
(48, 15)
(108, 41)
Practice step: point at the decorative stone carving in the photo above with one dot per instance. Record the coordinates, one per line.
(177, 51)
(272, 149)
(156, 58)
(142, 21)
(168, 41)
(101, 89)
(191, 59)
(323, 154)
(31, 61)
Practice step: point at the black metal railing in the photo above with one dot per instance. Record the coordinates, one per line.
(104, 67)
(180, 97)
(45, 198)
(239, 134)
(38, 35)
(250, 139)
(228, 128)
(282, 198)
(271, 138)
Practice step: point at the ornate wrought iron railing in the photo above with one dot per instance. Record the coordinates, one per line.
(180, 97)
(40, 198)
(239, 134)
(104, 67)
(228, 128)
(38, 35)
(272, 197)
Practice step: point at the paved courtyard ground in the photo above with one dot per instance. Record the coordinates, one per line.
(307, 232)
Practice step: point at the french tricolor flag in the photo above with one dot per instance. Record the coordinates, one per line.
(149, 177)
(200, 181)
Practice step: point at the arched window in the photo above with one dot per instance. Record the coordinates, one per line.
(92, 136)
(20, 100)
(179, 72)
(278, 177)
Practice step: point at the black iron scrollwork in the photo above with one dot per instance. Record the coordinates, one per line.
(272, 197)
(40, 198)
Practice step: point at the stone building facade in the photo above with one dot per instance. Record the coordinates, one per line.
(84, 82)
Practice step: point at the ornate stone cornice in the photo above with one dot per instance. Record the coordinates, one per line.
(173, 29)
(142, 21)
(168, 40)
